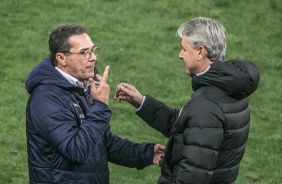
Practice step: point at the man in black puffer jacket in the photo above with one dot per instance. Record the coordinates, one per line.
(207, 137)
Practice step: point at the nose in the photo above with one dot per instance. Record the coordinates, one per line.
(92, 57)
(180, 54)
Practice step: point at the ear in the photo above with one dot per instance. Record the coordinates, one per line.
(61, 58)
(202, 52)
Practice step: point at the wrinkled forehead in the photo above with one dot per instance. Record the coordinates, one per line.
(81, 42)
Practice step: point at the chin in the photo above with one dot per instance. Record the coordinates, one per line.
(92, 76)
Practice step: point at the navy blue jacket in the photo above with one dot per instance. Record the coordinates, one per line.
(68, 133)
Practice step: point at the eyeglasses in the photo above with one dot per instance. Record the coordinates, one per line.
(86, 54)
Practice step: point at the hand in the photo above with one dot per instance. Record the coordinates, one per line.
(127, 92)
(101, 90)
(158, 154)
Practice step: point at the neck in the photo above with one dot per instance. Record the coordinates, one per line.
(204, 65)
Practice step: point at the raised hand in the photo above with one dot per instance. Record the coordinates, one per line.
(127, 92)
(101, 90)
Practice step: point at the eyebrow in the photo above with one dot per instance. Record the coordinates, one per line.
(85, 49)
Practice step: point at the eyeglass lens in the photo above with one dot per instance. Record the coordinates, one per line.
(95, 51)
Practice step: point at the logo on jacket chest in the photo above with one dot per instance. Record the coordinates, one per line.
(78, 111)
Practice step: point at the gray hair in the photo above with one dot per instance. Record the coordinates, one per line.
(206, 32)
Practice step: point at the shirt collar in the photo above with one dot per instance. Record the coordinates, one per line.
(201, 73)
(73, 80)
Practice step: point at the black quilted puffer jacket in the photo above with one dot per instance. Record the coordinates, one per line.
(207, 137)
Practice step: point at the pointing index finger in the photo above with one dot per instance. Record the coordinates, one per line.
(106, 73)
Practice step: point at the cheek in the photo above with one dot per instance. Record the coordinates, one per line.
(189, 61)
(82, 67)
(186, 59)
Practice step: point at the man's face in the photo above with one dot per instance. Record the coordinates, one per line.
(75, 64)
(189, 55)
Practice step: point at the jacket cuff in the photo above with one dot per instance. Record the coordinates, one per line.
(148, 109)
(99, 112)
(100, 103)
(148, 156)
(144, 98)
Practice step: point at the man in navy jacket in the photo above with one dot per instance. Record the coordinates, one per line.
(67, 116)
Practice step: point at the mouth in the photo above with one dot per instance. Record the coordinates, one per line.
(91, 68)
